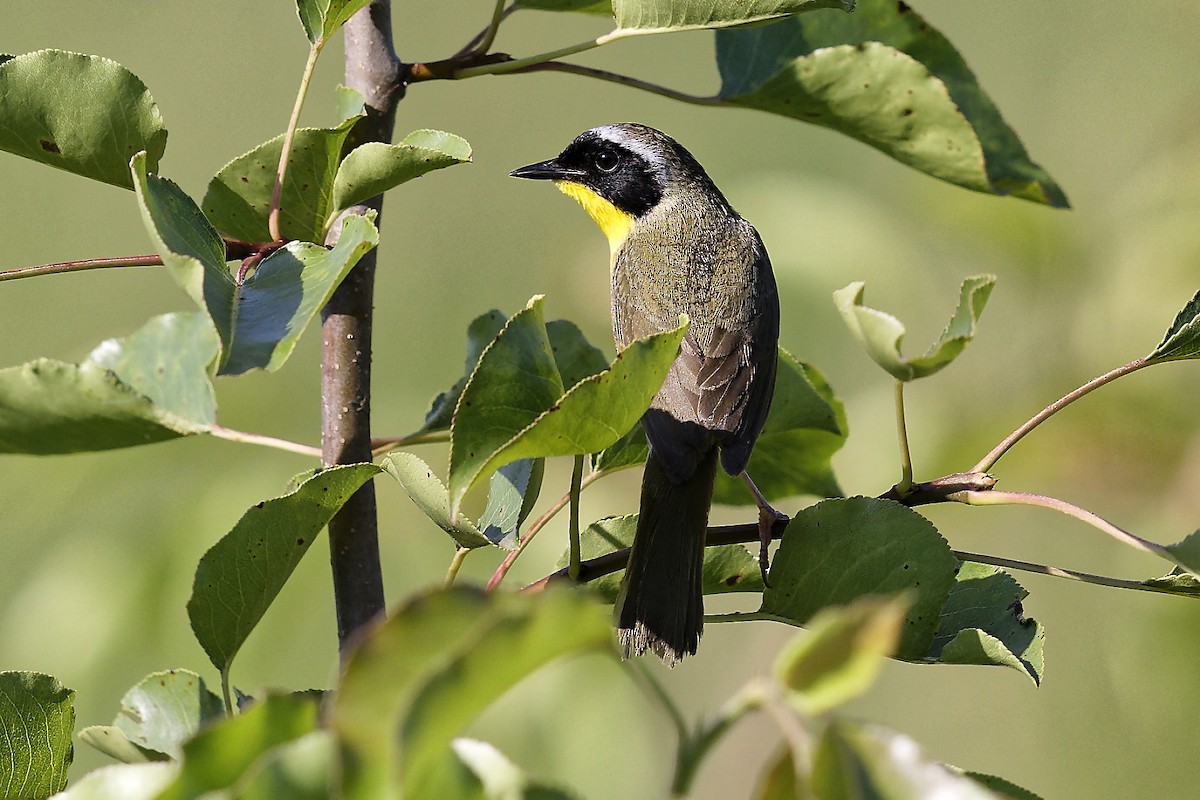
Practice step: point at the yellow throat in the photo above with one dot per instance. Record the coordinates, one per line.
(614, 222)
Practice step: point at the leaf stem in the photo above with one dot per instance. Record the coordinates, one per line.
(460, 555)
(906, 471)
(573, 526)
(289, 136)
(988, 461)
(221, 432)
(387, 444)
(227, 695)
(624, 80)
(1059, 572)
(79, 266)
(482, 41)
(995, 498)
(537, 525)
(517, 64)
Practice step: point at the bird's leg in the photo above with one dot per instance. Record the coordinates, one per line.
(767, 517)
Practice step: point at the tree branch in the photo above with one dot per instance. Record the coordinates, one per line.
(373, 69)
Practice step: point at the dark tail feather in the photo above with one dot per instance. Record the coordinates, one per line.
(661, 605)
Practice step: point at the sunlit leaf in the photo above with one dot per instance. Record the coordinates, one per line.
(1187, 552)
(157, 715)
(840, 550)
(429, 493)
(375, 167)
(881, 333)
(842, 653)
(983, 622)
(37, 719)
(238, 200)
(147, 387)
(222, 753)
(654, 16)
(727, 567)
(419, 678)
(858, 761)
(514, 407)
(239, 576)
(301, 769)
(500, 778)
(122, 782)
(805, 427)
(1182, 339)
(322, 18)
(884, 76)
(83, 114)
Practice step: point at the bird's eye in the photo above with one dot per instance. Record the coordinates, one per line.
(606, 160)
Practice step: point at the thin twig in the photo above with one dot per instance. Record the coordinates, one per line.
(153, 260)
(1059, 572)
(387, 444)
(499, 67)
(482, 41)
(988, 461)
(221, 432)
(623, 80)
(285, 154)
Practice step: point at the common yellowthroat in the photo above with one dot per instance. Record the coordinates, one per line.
(677, 247)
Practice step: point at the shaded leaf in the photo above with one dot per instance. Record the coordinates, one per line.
(839, 550)
(514, 407)
(883, 76)
(82, 114)
(500, 778)
(881, 333)
(727, 567)
(1182, 339)
(805, 427)
(842, 654)
(585, 6)
(1177, 581)
(419, 678)
(575, 357)
(238, 200)
(1187, 552)
(629, 451)
(271, 309)
(301, 769)
(221, 754)
(983, 623)
(480, 333)
(856, 761)
(322, 18)
(111, 741)
(658, 16)
(429, 493)
(147, 387)
(375, 167)
(239, 576)
(1001, 787)
(122, 782)
(512, 493)
(37, 719)
(779, 780)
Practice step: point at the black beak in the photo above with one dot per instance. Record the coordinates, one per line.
(547, 171)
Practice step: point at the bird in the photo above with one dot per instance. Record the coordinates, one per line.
(678, 247)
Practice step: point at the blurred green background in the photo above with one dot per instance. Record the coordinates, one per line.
(97, 551)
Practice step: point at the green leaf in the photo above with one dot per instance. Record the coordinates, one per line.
(301, 769)
(629, 451)
(322, 18)
(158, 715)
(148, 387)
(779, 780)
(512, 493)
(983, 623)
(239, 576)
(271, 309)
(37, 718)
(1002, 788)
(500, 778)
(575, 357)
(881, 334)
(727, 567)
(419, 678)
(840, 550)
(514, 407)
(660, 16)
(1177, 582)
(585, 6)
(805, 427)
(841, 655)
(1182, 339)
(857, 761)
(122, 782)
(222, 753)
(238, 200)
(883, 76)
(1187, 552)
(83, 114)
(480, 333)
(429, 493)
(375, 167)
